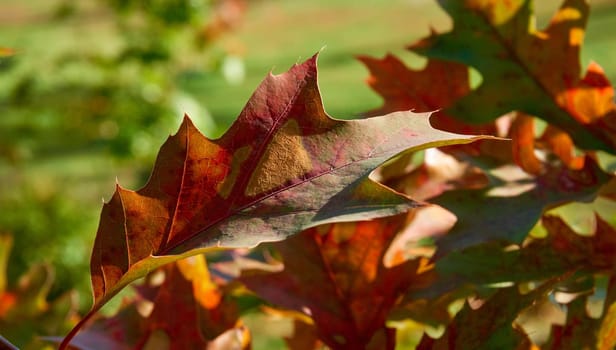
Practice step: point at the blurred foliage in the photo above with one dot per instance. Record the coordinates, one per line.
(84, 86)
(25, 311)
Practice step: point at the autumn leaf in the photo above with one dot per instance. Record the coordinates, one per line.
(579, 331)
(503, 222)
(553, 143)
(491, 324)
(439, 172)
(523, 137)
(595, 252)
(606, 337)
(187, 311)
(438, 85)
(304, 337)
(282, 167)
(536, 72)
(561, 252)
(336, 275)
(403, 88)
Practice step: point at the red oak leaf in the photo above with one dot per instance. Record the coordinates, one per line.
(336, 275)
(282, 167)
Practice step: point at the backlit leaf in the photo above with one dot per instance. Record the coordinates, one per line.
(503, 222)
(336, 275)
(579, 331)
(536, 72)
(491, 326)
(187, 311)
(438, 85)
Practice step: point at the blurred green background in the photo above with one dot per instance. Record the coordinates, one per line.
(94, 87)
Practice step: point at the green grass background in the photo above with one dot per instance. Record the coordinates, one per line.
(56, 196)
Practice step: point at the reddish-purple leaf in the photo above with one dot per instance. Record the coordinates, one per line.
(282, 167)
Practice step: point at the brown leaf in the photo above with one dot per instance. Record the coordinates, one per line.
(523, 136)
(500, 221)
(597, 252)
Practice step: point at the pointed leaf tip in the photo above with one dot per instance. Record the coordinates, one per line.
(283, 166)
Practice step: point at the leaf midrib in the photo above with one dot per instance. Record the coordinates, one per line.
(518, 60)
(243, 179)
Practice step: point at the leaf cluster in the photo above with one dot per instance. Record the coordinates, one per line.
(494, 230)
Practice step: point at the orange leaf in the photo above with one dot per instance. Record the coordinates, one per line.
(336, 275)
(187, 311)
(436, 86)
(523, 136)
(536, 72)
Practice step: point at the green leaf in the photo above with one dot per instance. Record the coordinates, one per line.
(537, 72)
(510, 210)
(491, 325)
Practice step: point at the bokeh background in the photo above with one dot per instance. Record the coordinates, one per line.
(90, 89)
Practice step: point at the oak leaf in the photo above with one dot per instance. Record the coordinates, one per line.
(336, 275)
(438, 85)
(491, 324)
(579, 330)
(561, 252)
(503, 222)
(536, 72)
(282, 167)
(596, 253)
(186, 311)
